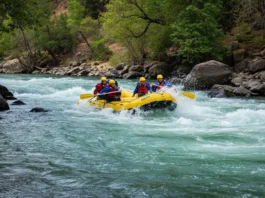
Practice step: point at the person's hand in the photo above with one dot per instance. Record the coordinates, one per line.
(152, 84)
(133, 95)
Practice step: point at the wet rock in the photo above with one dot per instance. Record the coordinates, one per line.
(83, 72)
(13, 67)
(207, 74)
(136, 68)
(259, 89)
(221, 91)
(73, 71)
(120, 66)
(148, 65)
(261, 76)
(132, 75)
(18, 102)
(241, 66)
(257, 66)
(159, 68)
(237, 81)
(38, 109)
(3, 104)
(6, 93)
(242, 91)
(125, 69)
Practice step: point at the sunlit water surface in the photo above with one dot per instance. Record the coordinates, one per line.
(205, 148)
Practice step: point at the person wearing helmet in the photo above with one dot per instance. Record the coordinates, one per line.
(142, 87)
(110, 93)
(112, 77)
(101, 85)
(160, 83)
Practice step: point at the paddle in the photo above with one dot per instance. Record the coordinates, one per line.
(89, 95)
(184, 93)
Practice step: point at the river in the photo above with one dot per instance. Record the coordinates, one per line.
(205, 148)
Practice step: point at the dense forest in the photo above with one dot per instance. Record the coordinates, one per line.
(190, 31)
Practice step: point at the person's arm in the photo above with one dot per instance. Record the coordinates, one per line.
(154, 87)
(96, 90)
(168, 84)
(105, 90)
(135, 90)
(116, 82)
(148, 86)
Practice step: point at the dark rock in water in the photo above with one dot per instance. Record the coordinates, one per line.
(38, 109)
(221, 91)
(1, 118)
(6, 93)
(18, 102)
(207, 74)
(3, 104)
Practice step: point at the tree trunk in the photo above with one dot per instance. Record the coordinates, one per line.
(89, 46)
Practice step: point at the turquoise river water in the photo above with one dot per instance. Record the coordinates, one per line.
(205, 148)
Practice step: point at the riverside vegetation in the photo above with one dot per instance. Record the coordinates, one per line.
(139, 37)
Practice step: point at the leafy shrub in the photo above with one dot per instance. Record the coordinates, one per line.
(100, 51)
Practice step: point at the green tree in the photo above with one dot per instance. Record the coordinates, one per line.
(80, 25)
(198, 34)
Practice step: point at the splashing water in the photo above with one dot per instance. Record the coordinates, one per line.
(205, 148)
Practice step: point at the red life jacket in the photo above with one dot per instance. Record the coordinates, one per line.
(99, 87)
(160, 85)
(112, 89)
(142, 89)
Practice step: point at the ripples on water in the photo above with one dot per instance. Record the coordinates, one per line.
(206, 148)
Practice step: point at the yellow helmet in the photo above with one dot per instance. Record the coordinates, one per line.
(142, 79)
(159, 76)
(111, 81)
(103, 79)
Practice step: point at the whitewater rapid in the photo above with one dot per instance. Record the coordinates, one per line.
(206, 147)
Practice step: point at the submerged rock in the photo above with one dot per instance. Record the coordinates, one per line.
(18, 102)
(221, 91)
(38, 109)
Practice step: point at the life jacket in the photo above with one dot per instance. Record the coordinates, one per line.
(142, 89)
(112, 89)
(99, 87)
(160, 85)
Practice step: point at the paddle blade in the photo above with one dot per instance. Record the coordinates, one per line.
(86, 96)
(188, 94)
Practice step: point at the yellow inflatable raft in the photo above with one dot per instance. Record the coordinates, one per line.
(147, 102)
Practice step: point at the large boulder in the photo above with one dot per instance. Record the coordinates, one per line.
(241, 66)
(74, 71)
(159, 68)
(242, 91)
(6, 93)
(3, 104)
(205, 75)
(257, 66)
(13, 67)
(137, 68)
(132, 75)
(221, 91)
